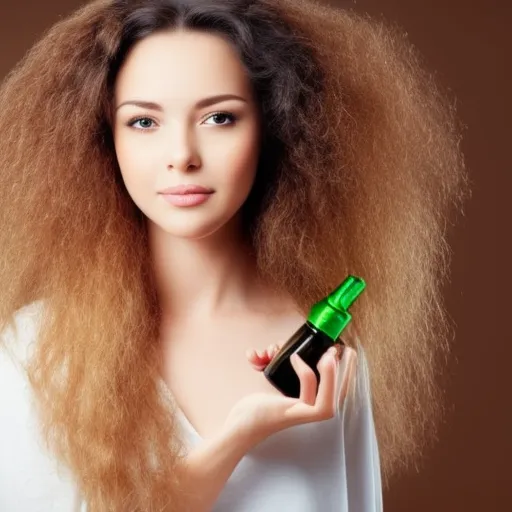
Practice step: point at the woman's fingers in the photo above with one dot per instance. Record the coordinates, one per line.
(307, 378)
(324, 404)
(272, 351)
(316, 401)
(260, 359)
(257, 359)
(319, 396)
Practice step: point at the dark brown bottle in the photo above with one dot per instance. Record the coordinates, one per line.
(325, 323)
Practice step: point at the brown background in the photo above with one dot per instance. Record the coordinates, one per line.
(467, 44)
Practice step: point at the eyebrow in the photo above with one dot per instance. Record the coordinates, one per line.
(206, 102)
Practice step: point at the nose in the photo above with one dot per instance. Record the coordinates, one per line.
(181, 151)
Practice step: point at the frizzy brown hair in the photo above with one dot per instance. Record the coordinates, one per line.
(365, 169)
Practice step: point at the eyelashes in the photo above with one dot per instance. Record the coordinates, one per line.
(229, 116)
(131, 123)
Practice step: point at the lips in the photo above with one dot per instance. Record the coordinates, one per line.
(186, 189)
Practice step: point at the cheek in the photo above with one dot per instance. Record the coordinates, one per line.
(136, 175)
(134, 165)
(241, 163)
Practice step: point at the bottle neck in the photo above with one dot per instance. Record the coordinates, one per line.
(329, 320)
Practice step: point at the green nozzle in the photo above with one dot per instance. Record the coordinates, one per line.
(330, 315)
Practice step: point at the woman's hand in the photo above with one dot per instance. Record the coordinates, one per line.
(256, 417)
(260, 415)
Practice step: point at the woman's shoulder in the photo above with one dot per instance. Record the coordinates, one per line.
(362, 385)
(30, 478)
(19, 336)
(17, 343)
(362, 456)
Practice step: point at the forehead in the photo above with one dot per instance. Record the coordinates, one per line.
(181, 65)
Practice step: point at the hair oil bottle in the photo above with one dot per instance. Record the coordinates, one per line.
(326, 321)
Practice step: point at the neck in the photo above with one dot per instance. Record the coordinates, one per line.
(199, 278)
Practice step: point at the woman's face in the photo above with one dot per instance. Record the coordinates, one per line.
(185, 115)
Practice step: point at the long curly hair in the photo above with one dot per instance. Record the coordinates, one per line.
(360, 172)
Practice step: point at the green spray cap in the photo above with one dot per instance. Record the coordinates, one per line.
(330, 315)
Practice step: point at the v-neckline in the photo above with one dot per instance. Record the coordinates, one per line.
(179, 411)
(192, 431)
(188, 425)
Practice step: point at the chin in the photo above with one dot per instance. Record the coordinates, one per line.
(196, 225)
(190, 230)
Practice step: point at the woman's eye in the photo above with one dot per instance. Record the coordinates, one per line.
(143, 123)
(220, 118)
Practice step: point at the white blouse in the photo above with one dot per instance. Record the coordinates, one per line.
(330, 466)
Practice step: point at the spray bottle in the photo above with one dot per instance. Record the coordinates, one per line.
(326, 321)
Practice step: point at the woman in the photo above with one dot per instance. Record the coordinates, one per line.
(185, 180)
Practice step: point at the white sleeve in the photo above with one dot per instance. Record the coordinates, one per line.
(30, 479)
(359, 446)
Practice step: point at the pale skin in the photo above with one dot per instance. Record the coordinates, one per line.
(219, 322)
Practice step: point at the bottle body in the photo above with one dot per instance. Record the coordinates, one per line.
(310, 344)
